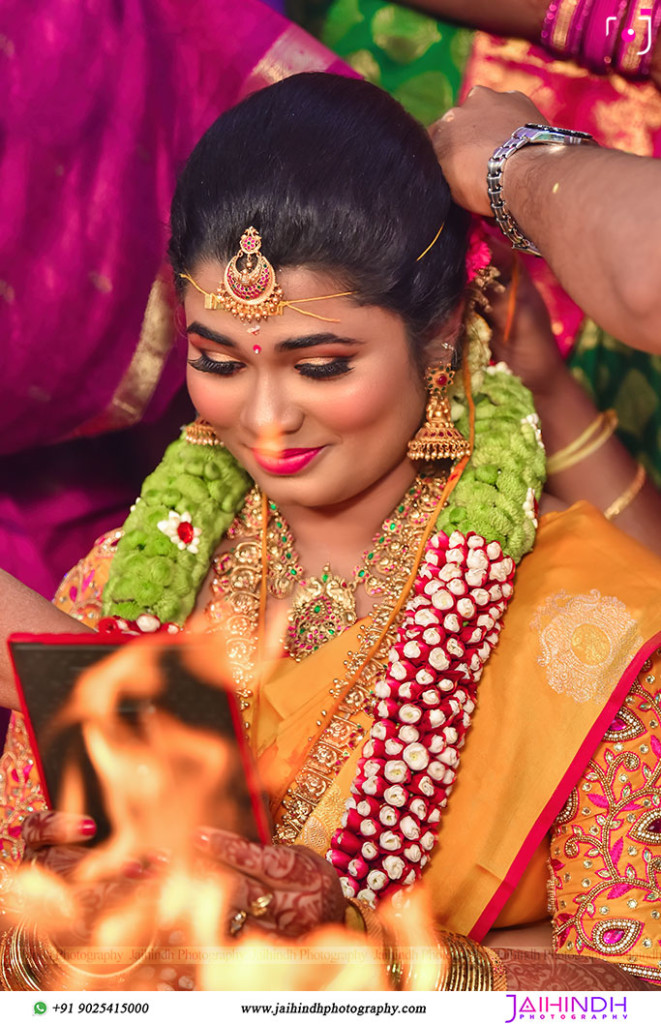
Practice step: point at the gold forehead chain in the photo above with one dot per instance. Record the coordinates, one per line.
(249, 290)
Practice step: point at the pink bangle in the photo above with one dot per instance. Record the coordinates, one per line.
(558, 24)
(601, 35)
(646, 62)
(549, 22)
(580, 20)
(636, 43)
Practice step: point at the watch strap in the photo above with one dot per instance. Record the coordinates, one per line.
(535, 134)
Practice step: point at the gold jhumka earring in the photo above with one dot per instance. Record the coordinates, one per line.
(202, 433)
(438, 438)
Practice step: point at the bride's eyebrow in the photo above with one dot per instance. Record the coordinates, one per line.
(310, 340)
(291, 345)
(206, 332)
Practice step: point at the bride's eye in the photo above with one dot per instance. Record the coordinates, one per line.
(223, 367)
(321, 369)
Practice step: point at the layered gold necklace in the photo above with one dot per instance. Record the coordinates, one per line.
(263, 562)
(324, 606)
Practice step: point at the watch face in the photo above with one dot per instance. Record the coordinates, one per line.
(549, 129)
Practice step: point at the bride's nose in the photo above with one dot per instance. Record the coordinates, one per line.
(269, 408)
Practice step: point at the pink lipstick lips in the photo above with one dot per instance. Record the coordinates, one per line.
(285, 462)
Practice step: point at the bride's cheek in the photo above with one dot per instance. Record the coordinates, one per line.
(220, 408)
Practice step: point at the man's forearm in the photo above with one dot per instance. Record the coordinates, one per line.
(595, 214)
(23, 611)
(522, 18)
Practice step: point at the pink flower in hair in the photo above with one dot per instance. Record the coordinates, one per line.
(479, 254)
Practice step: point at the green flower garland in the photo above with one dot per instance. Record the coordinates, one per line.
(151, 575)
(495, 497)
(506, 467)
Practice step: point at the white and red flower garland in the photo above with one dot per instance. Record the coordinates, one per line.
(144, 625)
(409, 763)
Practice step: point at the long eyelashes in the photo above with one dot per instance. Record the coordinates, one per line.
(224, 367)
(321, 371)
(228, 367)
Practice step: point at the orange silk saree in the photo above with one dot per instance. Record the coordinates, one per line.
(572, 689)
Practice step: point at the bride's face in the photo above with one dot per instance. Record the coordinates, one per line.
(316, 411)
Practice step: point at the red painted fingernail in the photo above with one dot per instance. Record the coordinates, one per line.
(133, 869)
(87, 827)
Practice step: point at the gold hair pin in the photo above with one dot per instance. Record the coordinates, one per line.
(432, 243)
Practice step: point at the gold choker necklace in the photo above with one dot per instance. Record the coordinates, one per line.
(324, 606)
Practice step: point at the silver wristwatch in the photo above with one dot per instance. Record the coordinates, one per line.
(529, 133)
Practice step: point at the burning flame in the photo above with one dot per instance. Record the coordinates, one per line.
(161, 780)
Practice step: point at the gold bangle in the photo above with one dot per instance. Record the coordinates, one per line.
(353, 919)
(376, 930)
(473, 968)
(5, 981)
(16, 970)
(69, 976)
(628, 495)
(604, 426)
(583, 438)
(29, 963)
(498, 970)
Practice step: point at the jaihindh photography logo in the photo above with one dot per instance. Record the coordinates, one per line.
(578, 1007)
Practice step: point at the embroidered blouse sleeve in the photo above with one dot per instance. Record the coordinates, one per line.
(605, 887)
(81, 591)
(79, 595)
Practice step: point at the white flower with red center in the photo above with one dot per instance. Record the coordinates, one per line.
(181, 531)
(410, 760)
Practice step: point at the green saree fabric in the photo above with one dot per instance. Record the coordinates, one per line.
(628, 381)
(417, 59)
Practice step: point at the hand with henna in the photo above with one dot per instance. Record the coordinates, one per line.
(55, 841)
(300, 889)
(52, 838)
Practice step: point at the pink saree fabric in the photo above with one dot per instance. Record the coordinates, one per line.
(102, 100)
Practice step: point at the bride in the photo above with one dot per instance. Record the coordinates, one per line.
(354, 490)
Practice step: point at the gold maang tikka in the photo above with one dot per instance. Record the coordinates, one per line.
(249, 290)
(438, 438)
